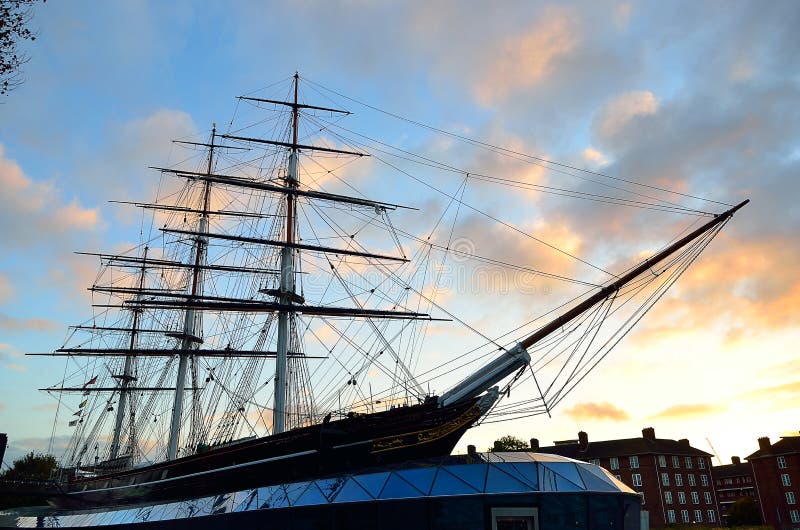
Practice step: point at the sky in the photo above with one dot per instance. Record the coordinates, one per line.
(695, 97)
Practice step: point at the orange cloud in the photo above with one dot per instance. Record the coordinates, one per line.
(596, 411)
(748, 287)
(14, 325)
(525, 60)
(686, 410)
(622, 110)
(6, 289)
(784, 392)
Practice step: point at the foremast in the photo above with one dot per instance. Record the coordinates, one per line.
(127, 376)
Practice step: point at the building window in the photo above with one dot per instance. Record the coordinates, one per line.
(781, 462)
(681, 497)
(678, 479)
(637, 479)
(618, 477)
(662, 461)
(701, 462)
(671, 516)
(691, 479)
(685, 515)
(698, 516)
(594, 461)
(688, 462)
(785, 480)
(614, 462)
(790, 498)
(704, 480)
(634, 462)
(665, 479)
(668, 497)
(712, 517)
(676, 461)
(795, 515)
(695, 498)
(707, 495)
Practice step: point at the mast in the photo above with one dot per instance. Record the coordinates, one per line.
(126, 376)
(517, 357)
(286, 280)
(191, 334)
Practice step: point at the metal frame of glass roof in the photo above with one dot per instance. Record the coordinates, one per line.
(485, 474)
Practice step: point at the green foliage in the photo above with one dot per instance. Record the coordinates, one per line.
(744, 512)
(33, 466)
(509, 443)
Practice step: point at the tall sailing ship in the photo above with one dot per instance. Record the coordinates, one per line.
(254, 336)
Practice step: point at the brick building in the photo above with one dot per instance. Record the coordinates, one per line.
(733, 482)
(776, 472)
(673, 477)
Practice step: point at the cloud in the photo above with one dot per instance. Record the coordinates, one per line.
(10, 324)
(687, 410)
(596, 411)
(36, 210)
(622, 111)
(594, 157)
(6, 289)
(526, 59)
(787, 392)
(17, 367)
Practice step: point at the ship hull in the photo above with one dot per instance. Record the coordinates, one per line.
(405, 433)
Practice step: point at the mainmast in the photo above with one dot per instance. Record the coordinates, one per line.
(287, 293)
(190, 338)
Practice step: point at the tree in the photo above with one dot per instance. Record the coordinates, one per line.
(509, 443)
(744, 512)
(33, 466)
(14, 18)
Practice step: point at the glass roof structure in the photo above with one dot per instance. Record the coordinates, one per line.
(477, 474)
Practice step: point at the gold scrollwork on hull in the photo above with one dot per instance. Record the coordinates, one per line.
(390, 443)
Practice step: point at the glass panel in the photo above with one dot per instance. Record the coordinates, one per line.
(170, 511)
(526, 472)
(373, 482)
(352, 492)
(246, 500)
(278, 499)
(397, 488)
(160, 512)
(472, 474)
(330, 487)
(221, 504)
(263, 496)
(311, 496)
(117, 517)
(569, 471)
(498, 481)
(420, 478)
(595, 481)
(293, 491)
(448, 484)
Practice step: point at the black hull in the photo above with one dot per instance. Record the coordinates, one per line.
(406, 433)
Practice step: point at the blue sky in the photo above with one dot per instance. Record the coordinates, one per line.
(694, 96)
